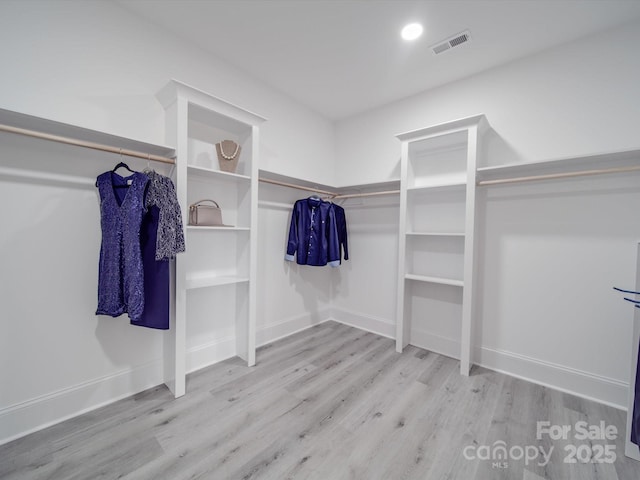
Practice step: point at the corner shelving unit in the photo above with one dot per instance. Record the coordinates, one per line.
(436, 243)
(220, 260)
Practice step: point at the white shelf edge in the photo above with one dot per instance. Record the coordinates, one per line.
(204, 281)
(444, 128)
(439, 280)
(175, 88)
(436, 234)
(393, 184)
(224, 229)
(55, 127)
(442, 186)
(562, 161)
(222, 174)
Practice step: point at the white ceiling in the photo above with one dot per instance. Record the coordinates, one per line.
(342, 57)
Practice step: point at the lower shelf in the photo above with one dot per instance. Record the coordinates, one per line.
(212, 280)
(439, 280)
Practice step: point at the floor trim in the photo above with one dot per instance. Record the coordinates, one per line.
(43, 411)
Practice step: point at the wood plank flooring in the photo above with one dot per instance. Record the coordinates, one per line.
(331, 403)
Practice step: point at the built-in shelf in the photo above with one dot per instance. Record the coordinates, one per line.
(442, 281)
(340, 190)
(436, 234)
(195, 121)
(53, 127)
(212, 174)
(194, 228)
(434, 187)
(212, 280)
(566, 164)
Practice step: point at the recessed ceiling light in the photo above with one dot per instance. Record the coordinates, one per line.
(411, 31)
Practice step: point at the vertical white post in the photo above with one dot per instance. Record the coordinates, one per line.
(402, 324)
(175, 338)
(466, 337)
(253, 250)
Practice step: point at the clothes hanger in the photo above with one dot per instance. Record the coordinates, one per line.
(626, 291)
(148, 168)
(123, 165)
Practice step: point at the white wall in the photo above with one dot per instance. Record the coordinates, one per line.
(95, 65)
(364, 287)
(551, 252)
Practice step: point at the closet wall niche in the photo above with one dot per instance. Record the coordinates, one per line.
(215, 280)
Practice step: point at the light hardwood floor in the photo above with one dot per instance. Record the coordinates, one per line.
(331, 403)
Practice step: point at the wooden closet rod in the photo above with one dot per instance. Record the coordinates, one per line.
(550, 176)
(298, 187)
(370, 194)
(480, 183)
(82, 143)
(330, 195)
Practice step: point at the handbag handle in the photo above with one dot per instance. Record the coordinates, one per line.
(199, 202)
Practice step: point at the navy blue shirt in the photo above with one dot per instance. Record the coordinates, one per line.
(313, 236)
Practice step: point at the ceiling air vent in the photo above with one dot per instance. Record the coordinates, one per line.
(452, 42)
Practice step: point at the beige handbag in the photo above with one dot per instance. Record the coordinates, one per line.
(203, 215)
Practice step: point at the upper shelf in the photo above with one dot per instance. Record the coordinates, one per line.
(360, 188)
(53, 127)
(615, 159)
(445, 128)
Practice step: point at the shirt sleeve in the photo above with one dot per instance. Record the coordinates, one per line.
(341, 219)
(292, 243)
(333, 243)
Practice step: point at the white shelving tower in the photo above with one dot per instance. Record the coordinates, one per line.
(219, 261)
(437, 237)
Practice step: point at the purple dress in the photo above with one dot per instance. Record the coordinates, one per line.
(161, 238)
(120, 274)
(156, 276)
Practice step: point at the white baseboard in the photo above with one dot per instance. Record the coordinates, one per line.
(37, 413)
(583, 384)
(41, 412)
(435, 343)
(368, 323)
(276, 331)
(207, 354)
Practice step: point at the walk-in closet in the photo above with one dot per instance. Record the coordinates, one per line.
(319, 240)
